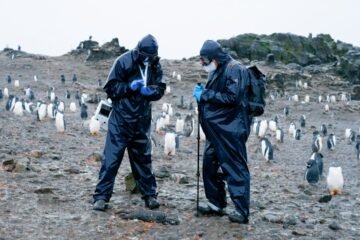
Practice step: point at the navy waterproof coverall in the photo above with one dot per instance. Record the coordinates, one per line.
(226, 123)
(129, 123)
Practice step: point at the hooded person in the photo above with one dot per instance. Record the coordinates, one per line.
(134, 81)
(225, 120)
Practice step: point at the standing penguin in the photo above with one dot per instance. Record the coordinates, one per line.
(327, 108)
(267, 149)
(9, 79)
(297, 134)
(191, 106)
(335, 180)
(72, 107)
(272, 125)
(60, 122)
(189, 125)
(41, 111)
(179, 127)
(318, 157)
(286, 111)
(67, 94)
(99, 83)
(94, 126)
(312, 175)
(18, 108)
(6, 92)
(263, 125)
(83, 111)
(302, 121)
(62, 78)
(358, 150)
(331, 142)
(292, 128)
(280, 135)
(170, 145)
(317, 143)
(51, 110)
(74, 79)
(77, 95)
(1, 94)
(349, 135)
(323, 129)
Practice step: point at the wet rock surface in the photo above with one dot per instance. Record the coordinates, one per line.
(50, 197)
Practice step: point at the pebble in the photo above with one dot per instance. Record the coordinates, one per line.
(334, 226)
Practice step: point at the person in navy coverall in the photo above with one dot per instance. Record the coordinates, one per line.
(225, 120)
(134, 81)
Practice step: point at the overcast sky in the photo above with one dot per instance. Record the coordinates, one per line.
(54, 27)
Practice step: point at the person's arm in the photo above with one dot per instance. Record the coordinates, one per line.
(235, 82)
(158, 88)
(117, 86)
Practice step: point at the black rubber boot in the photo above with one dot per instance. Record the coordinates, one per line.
(237, 217)
(151, 202)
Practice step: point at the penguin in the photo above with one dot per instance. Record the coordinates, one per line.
(331, 142)
(332, 99)
(302, 121)
(18, 109)
(41, 111)
(1, 94)
(51, 110)
(169, 144)
(179, 126)
(99, 83)
(52, 96)
(159, 124)
(267, 149)
(73, 107)
(295, 98)
(317, 143)
(165, 107)
(17, 83)
(67, 94)
(263, 125)
(335, 181)
(167, 119)
(173, 74)
(272, 125)
(312, 174)
(6, 92)
(28, 106)
(60, 122)
(191, 106)
(319, 99)
(349, 135)
(170, 110)
(74, 79)
(181, 105)
(328, 98)
(292, 128)
(318, 157)
(9, 79)
(35, 78)
(60, 106)
(83, 111)
(357, 147)
(167, 90)
(94, 126)
(327, 108)
(153, 144)
(177, 141)
(178, 77)
(305, 86)
(279, 135)
(256, 127)
(77, 95)
(297, 134)
(84, 96)
(323, 129)
(343, 97)
(10, 104)
(307, 99)
(189, 125)
(62, 78)
(286, 111)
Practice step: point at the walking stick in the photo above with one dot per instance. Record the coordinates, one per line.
(198, 163)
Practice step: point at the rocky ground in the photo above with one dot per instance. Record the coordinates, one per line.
(47, 179)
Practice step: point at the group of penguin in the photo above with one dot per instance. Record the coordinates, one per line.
(315, 165)
(53, 108)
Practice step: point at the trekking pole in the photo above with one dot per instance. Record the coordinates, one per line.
(198, 162)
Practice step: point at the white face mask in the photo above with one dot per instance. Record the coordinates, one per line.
(210, 67)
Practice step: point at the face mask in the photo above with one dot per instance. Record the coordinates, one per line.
(210, 67)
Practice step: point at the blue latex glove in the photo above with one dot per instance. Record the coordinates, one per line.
(136, 84)
(146, 91)
(198, 89)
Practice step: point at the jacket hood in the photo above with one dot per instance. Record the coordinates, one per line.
(213, 50)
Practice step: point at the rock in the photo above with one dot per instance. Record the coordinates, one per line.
(272, 217)
(325, 199)
(44, 191)
(163, 172)
(95, 157)
(270, 59)
(180, 178)
(355, 92)
(289, 220)
(93, 98)
(36, 153)
(151, 216)
(20, 165)
(130, 184)
(298, 232)
(334, 226)
(55, 157)
(8, 165)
